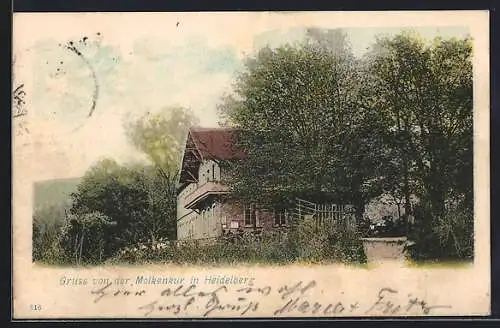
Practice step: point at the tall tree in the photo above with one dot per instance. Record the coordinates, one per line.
(161, 137)
(116, 192)
(298, 115)
(424, 91)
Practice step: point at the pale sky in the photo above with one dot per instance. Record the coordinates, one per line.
(143, 62)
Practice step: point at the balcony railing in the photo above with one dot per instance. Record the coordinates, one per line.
(202, 192)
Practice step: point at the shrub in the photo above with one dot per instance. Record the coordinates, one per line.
(45, 242)
(447, 237)
(308, 241)
(303, 243)
(162, 249)
(344, 244)
(83, 238)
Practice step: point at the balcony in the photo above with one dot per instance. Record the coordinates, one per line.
(203, 192)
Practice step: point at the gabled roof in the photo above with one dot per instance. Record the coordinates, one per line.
(207, 144)
(216, 143)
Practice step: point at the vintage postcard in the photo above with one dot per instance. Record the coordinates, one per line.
(243, 165)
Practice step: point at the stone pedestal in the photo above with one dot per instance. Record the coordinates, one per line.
(384, 249)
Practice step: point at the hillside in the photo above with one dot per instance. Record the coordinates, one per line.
(53, 192)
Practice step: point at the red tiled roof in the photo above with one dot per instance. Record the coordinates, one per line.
(216, 143)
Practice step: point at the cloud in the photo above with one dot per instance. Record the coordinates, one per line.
(145, 69)
(193, 74)
(152, 75)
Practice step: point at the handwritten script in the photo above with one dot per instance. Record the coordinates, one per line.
(19, 104)
(19, 109)
(297, 299)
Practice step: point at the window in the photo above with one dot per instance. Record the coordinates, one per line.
(280, 217)
(213, 172)
(250, 216)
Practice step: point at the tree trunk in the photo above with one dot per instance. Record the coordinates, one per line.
(398, 204)
(359, 208)
(406, 195)
(437, 203)
(76, 247)
(81, 247)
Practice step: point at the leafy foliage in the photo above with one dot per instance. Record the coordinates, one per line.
(47, 222)
(268, 248)
(132, 197)
(297, 110)
(119, 205)
(161, 136)
(450, 237)
(424, 92)
(330, 241)
(316, 123)
(84, 237)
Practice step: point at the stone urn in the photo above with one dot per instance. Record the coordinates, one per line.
(384, 249)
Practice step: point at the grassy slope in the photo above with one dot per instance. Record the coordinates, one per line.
(53, 194)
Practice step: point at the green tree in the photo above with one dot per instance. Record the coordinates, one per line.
(116, 192)
(161, 210)
(47, 222)
(297, 109)
(132, 197)
(83, 238)
(424, 91)
(161, 137)
(140, 200)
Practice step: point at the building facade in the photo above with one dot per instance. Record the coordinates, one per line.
(202, 210)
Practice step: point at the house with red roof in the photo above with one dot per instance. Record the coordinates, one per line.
(203, 211)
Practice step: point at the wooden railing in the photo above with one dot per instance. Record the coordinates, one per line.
(320, 212)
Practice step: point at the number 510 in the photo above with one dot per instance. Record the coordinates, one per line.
(35, 307)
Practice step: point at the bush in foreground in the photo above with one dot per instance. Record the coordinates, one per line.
(446, 237)
(304, 243)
